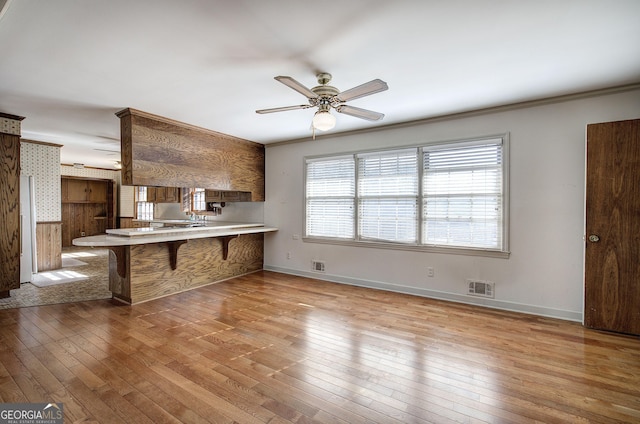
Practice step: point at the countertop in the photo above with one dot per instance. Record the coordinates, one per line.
(133, 236)
(181, 225)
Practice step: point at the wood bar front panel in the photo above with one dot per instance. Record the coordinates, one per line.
(199, 262)
(158, 151)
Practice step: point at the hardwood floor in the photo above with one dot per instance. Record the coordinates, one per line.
(274, 348)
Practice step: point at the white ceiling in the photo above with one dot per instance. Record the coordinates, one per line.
(69, 65)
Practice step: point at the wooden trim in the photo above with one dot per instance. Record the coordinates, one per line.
(80, 177)
(88, 167)
(43, 143)
(10, 116)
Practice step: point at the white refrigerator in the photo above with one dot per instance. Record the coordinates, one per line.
(28, 258)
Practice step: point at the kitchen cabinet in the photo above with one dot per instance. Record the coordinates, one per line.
(88, 207)
(163, 195)
(226, 196)
(83, 191)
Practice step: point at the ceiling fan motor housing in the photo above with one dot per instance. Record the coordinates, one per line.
(325, 92)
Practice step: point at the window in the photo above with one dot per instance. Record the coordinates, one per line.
(144, 209)
(330, 191)
(198, 202)
(388, 196)
(462, 195)
(445, 195)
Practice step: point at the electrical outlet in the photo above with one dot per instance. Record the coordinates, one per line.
(82, 234)
(296, 236)
(288, 255)
(430, 272)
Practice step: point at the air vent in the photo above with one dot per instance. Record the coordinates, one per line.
(480, 288)
(317, 266)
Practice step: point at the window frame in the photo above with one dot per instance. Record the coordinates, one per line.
(145, 211)
(359, 241)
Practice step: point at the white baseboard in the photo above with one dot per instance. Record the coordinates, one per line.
(434, 294)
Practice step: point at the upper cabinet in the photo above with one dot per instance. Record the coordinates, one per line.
(226, 196)
(163, 195)
(157, 151)
(83, 191)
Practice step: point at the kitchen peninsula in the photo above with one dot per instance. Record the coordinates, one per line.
(148, 263)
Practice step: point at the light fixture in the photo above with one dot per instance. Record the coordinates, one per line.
(118, 165)
(323, 120)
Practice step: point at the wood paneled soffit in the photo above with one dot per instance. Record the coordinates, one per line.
(158, 151)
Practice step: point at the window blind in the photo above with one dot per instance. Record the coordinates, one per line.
(462, 195)
(388, 195)
(330, 196)
(437, 195)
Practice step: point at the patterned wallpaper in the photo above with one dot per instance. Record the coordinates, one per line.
(105, 174)
(127, 202)
(42, 162)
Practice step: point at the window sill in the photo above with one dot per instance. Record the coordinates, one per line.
(412, 247)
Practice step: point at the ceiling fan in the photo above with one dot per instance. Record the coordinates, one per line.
(325, 97)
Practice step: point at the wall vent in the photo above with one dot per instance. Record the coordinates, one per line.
(480, 288)
(317, 266)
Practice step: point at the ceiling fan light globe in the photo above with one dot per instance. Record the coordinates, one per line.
(323, 121)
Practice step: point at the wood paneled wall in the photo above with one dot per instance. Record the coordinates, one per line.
(79, 218)
(157, 151)
(88, 206)
(49, 245)
(9, 203)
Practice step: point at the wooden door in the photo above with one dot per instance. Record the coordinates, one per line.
(151, 195)
(172, 195)
(97, 191)
(77, 190)
(612, 256)
(161, 194)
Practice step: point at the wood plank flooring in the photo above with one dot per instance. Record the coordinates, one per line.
(275, 348)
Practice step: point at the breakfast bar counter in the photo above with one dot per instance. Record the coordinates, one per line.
(148, 263)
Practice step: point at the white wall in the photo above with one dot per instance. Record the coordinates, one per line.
(544, 273)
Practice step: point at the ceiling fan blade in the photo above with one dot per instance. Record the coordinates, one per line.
(291, 83)
(282, 109)
(371, 87)
(360, 113)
